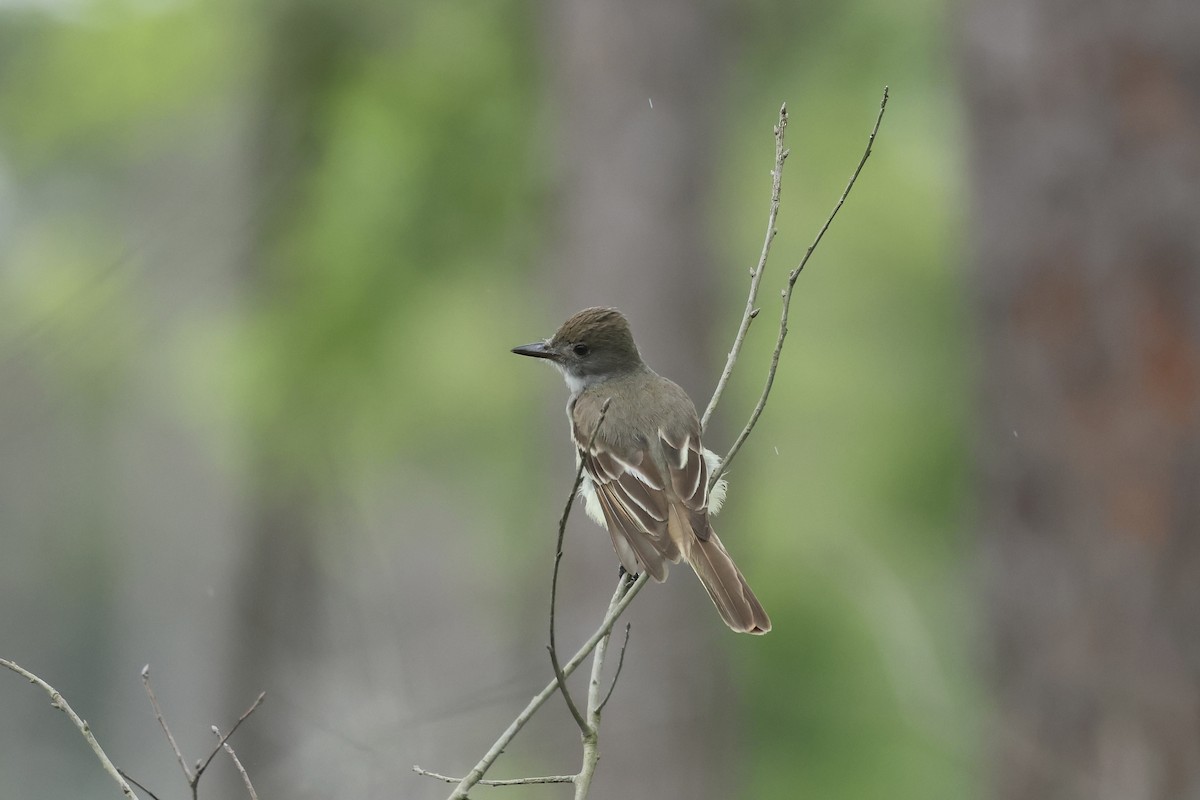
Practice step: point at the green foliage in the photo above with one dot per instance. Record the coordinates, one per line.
(414, 206)
(395, 172)
(99, 88)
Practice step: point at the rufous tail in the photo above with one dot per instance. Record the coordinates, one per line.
(728, 589)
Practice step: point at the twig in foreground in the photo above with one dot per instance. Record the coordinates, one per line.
(60, 702)
(756, 274)
(193, 778)
(187, 773)
(558, 554)
(787, 300)
(237, 762)
(508, 782)
(257, 702)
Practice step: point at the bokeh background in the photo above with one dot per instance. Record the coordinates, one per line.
(261, 264)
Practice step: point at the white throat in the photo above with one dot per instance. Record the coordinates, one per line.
(576, 383)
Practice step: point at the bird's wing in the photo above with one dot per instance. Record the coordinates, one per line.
(630, 489)
(689, 476)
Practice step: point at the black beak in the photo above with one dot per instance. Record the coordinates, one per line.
(537, 350)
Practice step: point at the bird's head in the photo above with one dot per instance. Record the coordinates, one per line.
(593, 344)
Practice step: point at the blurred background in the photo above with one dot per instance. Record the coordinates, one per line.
(261, 264)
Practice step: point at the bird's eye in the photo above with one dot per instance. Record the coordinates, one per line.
(580, 349)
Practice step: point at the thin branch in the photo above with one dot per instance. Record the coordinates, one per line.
(787, 300)
(561, 679)
(507, 782)
(236, 761)
(558, 554)
(60, 702)
(257, 702)
(756, 274)
(621, 599)
(187, 773)
(591, 736)
(620, 664)
(193, 778)
(136, 783)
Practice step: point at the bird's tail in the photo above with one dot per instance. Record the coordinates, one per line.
(725, 585)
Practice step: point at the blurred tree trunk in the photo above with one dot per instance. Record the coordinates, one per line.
(637, 90)
(1085, 131)
(279, 587)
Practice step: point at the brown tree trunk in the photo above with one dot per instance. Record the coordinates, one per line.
(636, 93)
(1085, 132)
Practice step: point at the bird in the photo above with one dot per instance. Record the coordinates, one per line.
(645, 472)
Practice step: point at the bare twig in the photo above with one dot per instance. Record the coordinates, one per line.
(60, 702)
(257, 702)
(558, 554)
(193, 778)
(591, 736)
(136, 783)
(621, 599)
(187, 773)
(756, 274)
(620, 664)
(787, 300)
(237, 761)
(508, 782)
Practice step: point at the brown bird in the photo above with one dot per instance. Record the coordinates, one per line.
(646, 473)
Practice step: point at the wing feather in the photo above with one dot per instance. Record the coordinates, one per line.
(689, 477)
(654, 497)
(630, 489)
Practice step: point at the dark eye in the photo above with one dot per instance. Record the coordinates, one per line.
(580, 349)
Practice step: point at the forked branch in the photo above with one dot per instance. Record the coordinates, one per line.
(621, 599)
(756, 274)
(787, 301)
(193, 777)
(589, 720)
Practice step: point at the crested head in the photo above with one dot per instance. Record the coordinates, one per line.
(592, 345)
(595, 343)
(600, 329)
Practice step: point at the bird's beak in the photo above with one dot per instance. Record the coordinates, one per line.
(537, 350)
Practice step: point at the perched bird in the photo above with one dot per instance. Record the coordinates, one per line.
(646, 473)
